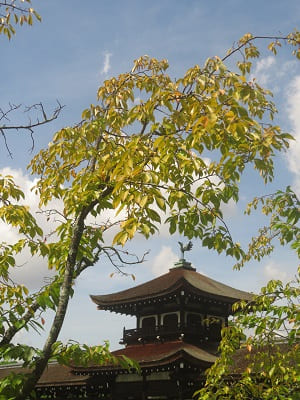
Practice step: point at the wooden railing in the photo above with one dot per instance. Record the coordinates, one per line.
(201, 333)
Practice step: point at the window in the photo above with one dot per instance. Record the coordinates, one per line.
(194, 320)
(149, 323)
(170, 321)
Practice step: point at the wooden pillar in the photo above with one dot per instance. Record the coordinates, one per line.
(182, 308)
(144, 387)
(226, 321)
(182, 321)
(112, 384)
(180, 389)
(158, 326)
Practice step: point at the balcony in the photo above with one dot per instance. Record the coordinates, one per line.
(187, 332)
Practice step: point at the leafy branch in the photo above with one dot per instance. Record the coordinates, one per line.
(15, 12)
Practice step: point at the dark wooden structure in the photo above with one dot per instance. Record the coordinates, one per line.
(179, 317)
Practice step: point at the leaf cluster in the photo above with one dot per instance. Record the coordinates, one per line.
(265, 363)
(16, 12)
(178, 150)
(283, 210)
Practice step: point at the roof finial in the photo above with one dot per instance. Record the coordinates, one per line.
(184, 248)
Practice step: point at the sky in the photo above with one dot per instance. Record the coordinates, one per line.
(71, 52)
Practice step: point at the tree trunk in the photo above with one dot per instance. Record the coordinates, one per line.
(64, 296)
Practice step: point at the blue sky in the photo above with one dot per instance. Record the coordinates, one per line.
(77, 46)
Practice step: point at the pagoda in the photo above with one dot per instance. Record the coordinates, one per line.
(179, 317)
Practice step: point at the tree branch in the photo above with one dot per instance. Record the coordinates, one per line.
(41, 118)
(252, 39)
(13, 329)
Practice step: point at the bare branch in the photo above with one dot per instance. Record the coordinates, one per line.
(119, 262)
(41, 118)
(5, 142)
(115, 256)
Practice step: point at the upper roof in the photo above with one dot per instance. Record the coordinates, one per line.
(182, 277)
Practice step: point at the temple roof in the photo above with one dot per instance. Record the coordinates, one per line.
(177, 278)
(54, 375)
(163, 352)
(158, 354)
(149, 356)
(152, 355)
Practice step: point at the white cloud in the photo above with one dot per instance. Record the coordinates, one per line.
(268, 73)
(274, 271)
(106, 64)
(293, 102)
(262, 71)
(229, 209)
(287, 68)
(164, 260)
(30, 271)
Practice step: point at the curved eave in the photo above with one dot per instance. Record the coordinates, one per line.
(166, 286)
(155, 356)
(129, 305)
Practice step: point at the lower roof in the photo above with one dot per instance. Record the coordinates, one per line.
(147, 355)
(54, 375)
(157, 354)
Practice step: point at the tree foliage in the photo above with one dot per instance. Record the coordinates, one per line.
(260, 350)
(152, 150)
(270, 355)
(265, 333)
(16, 12)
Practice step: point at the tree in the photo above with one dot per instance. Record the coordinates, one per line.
(12, 13)
(271, 351)
(152, 146)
